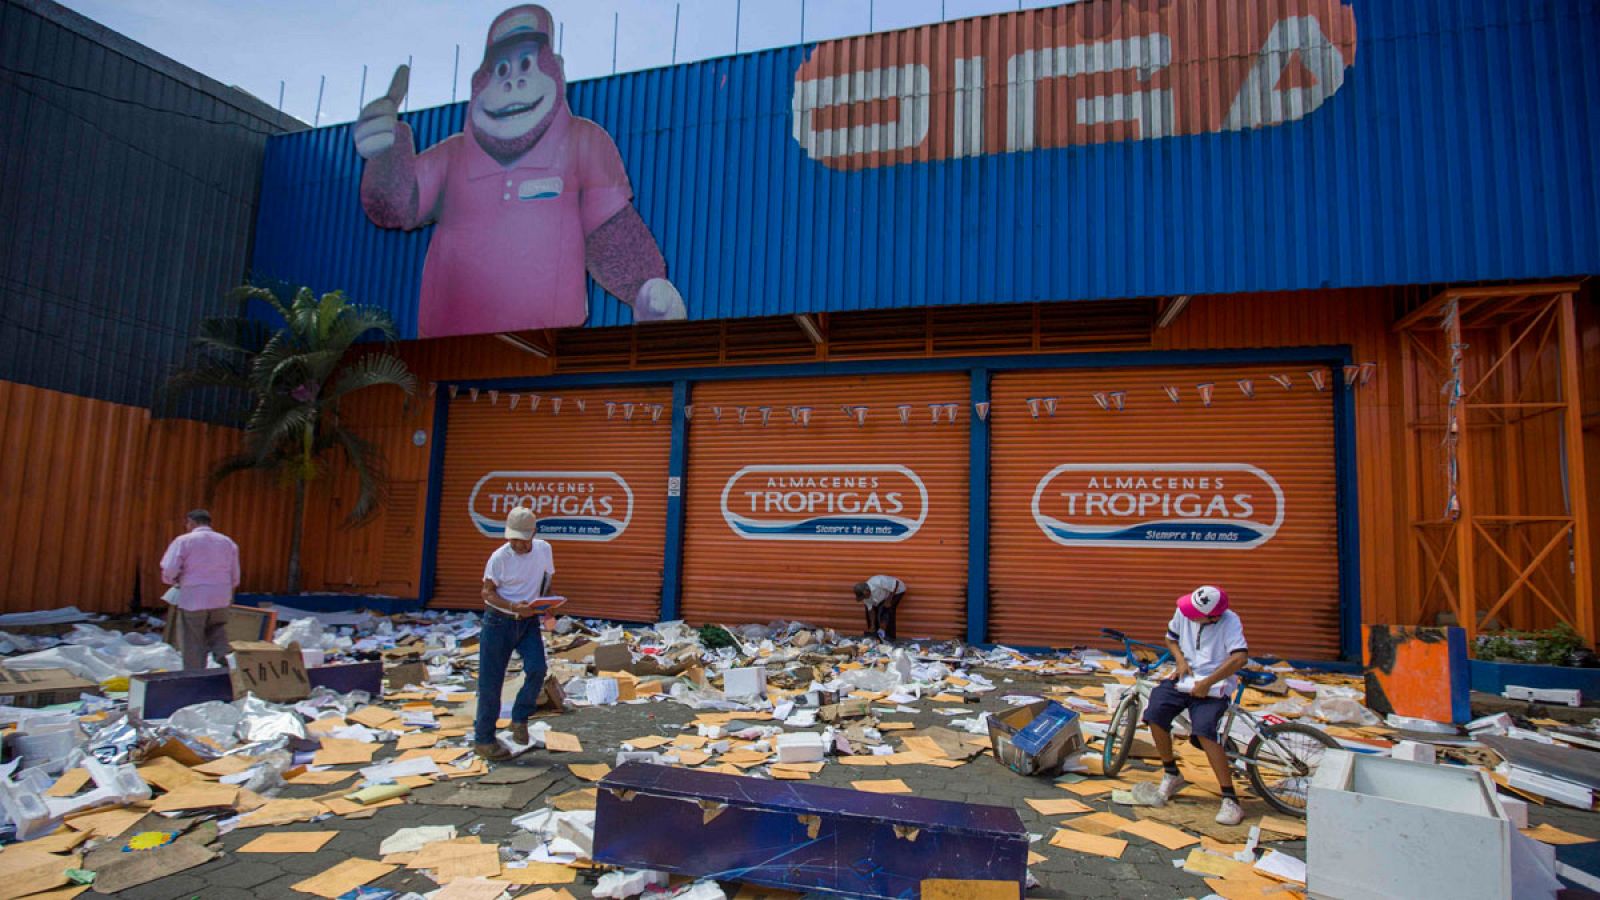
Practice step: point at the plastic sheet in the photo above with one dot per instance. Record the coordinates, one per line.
(1342, 711)
(217, 722)
(263, 721)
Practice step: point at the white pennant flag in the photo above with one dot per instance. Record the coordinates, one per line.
(950, 412)
(514, 399)
(494, 397)
(656, 409)
(848, 410)
(1368, 369)
(453, 389)
(1118, 400)
(1283, 381)
(1350, 375)
(982, 407)
(1172, 392)
(1319, 379)
(688, 412)
(794, 415)
(905, 413)
(627, 411)
(581, 404)
(716, 413)
(1033, 406)
(1102, 398)
(1247, 387)
(861, 415)
(473, 393)
(533, 403)
(805, 416)
(611, 409)
(741, 411)
(1205, 391)
(555, 406)
(1050, 406)
(766, 414)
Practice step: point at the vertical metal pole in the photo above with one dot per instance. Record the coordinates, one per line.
(408, 93)
(362, 100)
(803, 21)
(941, 10)
(738, 15)
(616, 23)
(677, 457)
(317, 119)
(455, 74)
(280, 96)
(677, 14)
(872, 15)
(978, 511)
(1466, 529)
(561, 36)
(1577, 479)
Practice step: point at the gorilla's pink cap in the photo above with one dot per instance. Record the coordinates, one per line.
(1203, 602)
(529, 20)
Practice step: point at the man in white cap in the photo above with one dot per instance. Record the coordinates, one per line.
(518, 572)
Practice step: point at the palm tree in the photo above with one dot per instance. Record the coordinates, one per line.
(295, 384)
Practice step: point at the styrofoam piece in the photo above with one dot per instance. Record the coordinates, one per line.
(1425, 726)
(314, 657)
(1498, 723)
(27, 810)
(47, 746)
(1565, 696)
(750, 681)
(628, 882)
(649, 756)
(1414, 752)
(1389, 828)
(577, 826)
(1557, 789)
(601, 691)
(1515, 809)
(799, 747)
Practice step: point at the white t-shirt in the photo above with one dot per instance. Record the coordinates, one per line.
(518, 576)
(1207, 647)
(881, 588)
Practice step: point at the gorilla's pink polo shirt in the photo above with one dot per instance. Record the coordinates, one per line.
(508, 254)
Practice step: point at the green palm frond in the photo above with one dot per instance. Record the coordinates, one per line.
(367, 461)
(231, 335)
(373, 370)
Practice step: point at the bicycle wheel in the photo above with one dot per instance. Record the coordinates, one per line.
(1281, 760)
(1119, 734)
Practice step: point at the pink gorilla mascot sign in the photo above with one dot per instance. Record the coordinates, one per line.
(525, 200)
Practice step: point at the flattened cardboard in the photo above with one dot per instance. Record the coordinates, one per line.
(33, 688)
(346, 876)
(289, 842)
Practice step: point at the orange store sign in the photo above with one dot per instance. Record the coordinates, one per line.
(571, 506)
(1220, 506)
(849, 503)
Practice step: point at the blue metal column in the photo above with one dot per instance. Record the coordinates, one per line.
(1348, 499)
(978, 514)
(430, 524)
(672, 559)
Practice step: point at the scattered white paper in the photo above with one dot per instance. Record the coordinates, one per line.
(410, 840)
(388, 772)
(1282, 866)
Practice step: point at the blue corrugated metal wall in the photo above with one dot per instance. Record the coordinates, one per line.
(1461, 146)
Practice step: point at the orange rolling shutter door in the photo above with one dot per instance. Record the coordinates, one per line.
(783, 520)
(598, 485)
(1102, 518)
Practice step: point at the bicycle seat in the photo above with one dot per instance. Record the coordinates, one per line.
(1256, 679)
(1113, 634)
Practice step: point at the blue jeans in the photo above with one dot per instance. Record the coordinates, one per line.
(502, 634)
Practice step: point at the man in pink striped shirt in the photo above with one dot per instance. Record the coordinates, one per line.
(204, 565)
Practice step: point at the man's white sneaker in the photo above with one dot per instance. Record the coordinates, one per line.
(1230, 813)
(1170, 786)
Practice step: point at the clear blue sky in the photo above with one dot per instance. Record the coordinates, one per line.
(254, 44)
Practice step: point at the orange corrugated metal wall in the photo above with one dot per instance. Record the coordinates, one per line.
(1361, 319)
(91, 492)
(730, 579)
(1286, 588)
(618, 578)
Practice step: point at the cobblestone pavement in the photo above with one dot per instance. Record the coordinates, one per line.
(1144, 871)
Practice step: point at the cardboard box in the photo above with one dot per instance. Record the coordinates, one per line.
(33, 688)
(275, 674)
(245, 623)
(801, 836)
(1035, 739)
(848, 709)
(551, 697)
(406, 673)
(160, 694)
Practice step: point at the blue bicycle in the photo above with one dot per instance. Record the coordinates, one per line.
(1279, 759)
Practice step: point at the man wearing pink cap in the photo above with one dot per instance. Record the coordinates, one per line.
(1206, 640)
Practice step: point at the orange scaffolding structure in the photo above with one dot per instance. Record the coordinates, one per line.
(1497, 496)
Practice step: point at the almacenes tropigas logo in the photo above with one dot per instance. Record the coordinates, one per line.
(1213, 506)
(571, 506)
(825, 503)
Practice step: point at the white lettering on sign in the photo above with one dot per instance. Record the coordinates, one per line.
(571, 506)
(825, 502)
(1232, 506)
